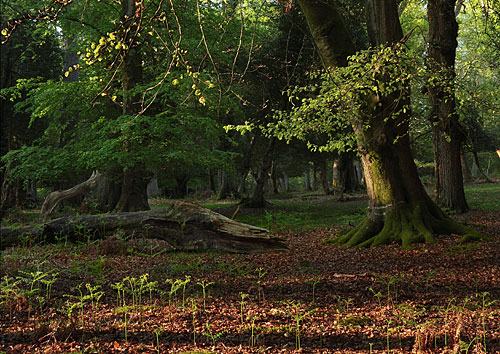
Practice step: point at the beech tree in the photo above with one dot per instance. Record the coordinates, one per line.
(399, 208)
(448, 134)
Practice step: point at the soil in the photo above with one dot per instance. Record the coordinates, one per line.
(316, 298)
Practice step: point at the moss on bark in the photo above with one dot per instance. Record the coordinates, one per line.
(407, 225)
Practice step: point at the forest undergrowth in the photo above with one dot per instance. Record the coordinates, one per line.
(129, 296)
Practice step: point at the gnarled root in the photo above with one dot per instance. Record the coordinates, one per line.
(406, 224)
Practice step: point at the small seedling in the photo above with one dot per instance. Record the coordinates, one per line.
(378, 295)
(485, 303)
(259, 274)
(388, 281)
(94, 295)
(184, 283)
(174, 286)
(448, 308)
(314, 282)
(193, 311)
(9, 292)
(242, 303)
(252, 333)
(157, 333)
(204, 285)
(120, 289)
(297, 317)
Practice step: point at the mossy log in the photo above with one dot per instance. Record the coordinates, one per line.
(184, 226)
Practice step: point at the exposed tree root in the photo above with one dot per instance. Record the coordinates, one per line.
(406, 224)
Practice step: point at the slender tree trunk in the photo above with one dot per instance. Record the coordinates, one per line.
(133, 195)
(465, 166)
(274, 180)
(153, 189)
(323, 176)
(211, 180)
(479, 168)
(399, 208)
(314, 178)
(224, 188)
(307, 180)
(244, 170)
(182, 188)
(345, 174)
(285, 184)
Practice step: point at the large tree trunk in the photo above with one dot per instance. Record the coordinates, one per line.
(184, 226)
(447, 133)
(108, 191)
(346, 176)
(399, 208)
(134, 190)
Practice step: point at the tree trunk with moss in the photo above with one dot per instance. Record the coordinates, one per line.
(399, 209)
(447, 132)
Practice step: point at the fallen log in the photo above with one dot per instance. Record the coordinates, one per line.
(184, 226)
(53, 199)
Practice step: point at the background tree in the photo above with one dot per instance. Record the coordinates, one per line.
(448, 134)
(31, 55)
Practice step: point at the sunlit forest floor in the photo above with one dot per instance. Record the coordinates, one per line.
(124, 295)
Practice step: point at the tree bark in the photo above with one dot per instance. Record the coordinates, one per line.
(184, 226)
(133, 195)
(134, 190)
(345, 174)
(53, 199)
(324, 177)
(447, 133)
(257, 200)
(399, 209)
(108, 191)
(274, 179)
(465, 166)
(307, 179)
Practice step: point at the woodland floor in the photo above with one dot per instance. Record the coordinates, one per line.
(439, 298)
